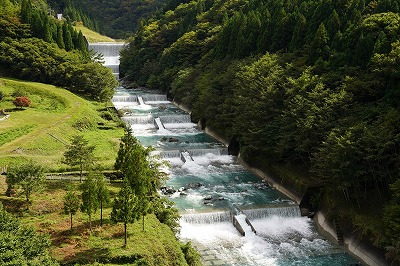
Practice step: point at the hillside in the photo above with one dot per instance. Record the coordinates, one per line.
(93, 36)
(42, 131)
(307, 90)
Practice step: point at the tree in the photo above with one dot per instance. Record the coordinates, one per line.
(79, 153)
(90, 201)
(103, 195)
(22, 245)
(71, 203)
(29, 176)
(133, 164)
(22, 101)
(125, 208)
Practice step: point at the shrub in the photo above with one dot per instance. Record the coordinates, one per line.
(22, 101)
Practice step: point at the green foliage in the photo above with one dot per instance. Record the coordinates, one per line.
(191, 255)
(125, 208)
(79, 153)
(71, 203)
(102, 193)
(22, 245)
(90, 202)
(1, 95)
(27, 176)
(166, 213)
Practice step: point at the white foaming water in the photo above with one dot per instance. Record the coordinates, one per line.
(277, 238)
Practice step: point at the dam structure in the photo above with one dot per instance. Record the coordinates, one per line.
(110, 52)
(230, 215)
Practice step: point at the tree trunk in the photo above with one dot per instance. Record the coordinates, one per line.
(101, 213)
(71, 220)
(143, 222)
(90, 223)
(126, 235)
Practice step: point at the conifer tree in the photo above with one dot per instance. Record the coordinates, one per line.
(60, 39)
(26, 11)
(124, 208)
(90, 201)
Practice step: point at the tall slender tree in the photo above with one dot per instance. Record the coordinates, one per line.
(90, 201)
(103, 195)
(71, 203)
(125, 208)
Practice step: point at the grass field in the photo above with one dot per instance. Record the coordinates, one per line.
(41, 131)
(156, 245)
(93, 36)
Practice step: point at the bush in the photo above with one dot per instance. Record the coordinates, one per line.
(22, 101)
(191, 255)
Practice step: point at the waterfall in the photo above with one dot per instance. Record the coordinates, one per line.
(207, 218)
(154, 98)
(170, 153)
(124, 98)
(283, 211)
(170, 119)
(202, 152)
(133, 120)
(110, 52)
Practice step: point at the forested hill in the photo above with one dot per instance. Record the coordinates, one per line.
(117, 18)
(307, 84)
(35, 46)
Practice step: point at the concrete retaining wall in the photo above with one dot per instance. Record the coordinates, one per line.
(361, 250)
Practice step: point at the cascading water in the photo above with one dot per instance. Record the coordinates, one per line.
(210, 187)
(110, 52)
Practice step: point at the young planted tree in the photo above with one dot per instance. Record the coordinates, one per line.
(79, 153)
(133, 164)
(124, 208)
(27, 176)
(90, 201)
(71, 203)
(103, 195)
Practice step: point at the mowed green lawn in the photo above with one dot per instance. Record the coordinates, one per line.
(42, 131)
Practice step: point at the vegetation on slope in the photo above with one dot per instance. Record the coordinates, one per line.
(43, 130)
(92, 36)
(293, 82)
(155, 245)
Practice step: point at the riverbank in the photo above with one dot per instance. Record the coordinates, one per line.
(362, 250)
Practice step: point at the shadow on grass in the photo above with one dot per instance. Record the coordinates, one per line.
(88, 256)
(14, 205)
(10, 110)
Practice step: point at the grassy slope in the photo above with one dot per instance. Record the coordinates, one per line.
(40, 131)
(93, 36)
(157, 244)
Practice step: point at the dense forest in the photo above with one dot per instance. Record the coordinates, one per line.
(310, 85)
(117, 19)
(36, 46)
